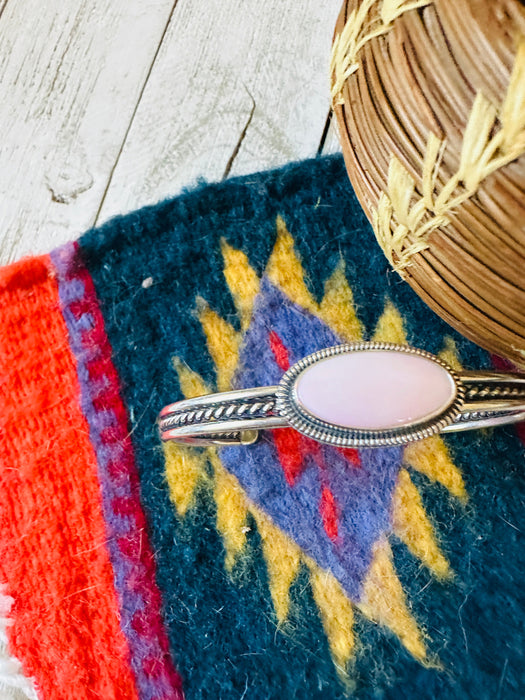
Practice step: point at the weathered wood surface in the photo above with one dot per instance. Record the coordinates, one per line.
(108, 106)
(70, 78)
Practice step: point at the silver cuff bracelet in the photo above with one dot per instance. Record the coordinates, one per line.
(357, 395)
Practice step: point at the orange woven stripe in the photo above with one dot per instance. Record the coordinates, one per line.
(52, 555)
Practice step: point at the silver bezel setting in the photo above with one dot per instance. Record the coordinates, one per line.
(306, 423)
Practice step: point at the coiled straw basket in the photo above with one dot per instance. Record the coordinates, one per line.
(429, 97)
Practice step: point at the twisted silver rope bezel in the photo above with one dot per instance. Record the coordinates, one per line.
(230, 411)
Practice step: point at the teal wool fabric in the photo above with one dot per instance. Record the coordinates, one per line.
(273, 560)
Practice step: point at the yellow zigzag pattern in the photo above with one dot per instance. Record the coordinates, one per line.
(383, 600)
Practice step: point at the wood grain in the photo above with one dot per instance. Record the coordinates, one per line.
(108, 106)
(238, 86)
(70, 80)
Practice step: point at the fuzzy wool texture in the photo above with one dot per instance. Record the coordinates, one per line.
(13, 684)
(64, 620)
(126, 538)
(286, 569)
(222, 619)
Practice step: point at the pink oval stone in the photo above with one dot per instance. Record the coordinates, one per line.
(375, 389)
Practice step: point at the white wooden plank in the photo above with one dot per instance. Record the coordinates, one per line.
(70, 77)
(235, 78)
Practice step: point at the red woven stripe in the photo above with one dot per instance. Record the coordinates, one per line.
(280, 353)
(52, 534)
(328, 509)
(135, 575)
(288, 445)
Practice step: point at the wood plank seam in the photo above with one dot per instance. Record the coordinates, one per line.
(134, 113)
(242, 136)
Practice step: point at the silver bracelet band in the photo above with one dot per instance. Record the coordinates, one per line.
(424, 396)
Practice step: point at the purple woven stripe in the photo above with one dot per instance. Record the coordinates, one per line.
(128, 546)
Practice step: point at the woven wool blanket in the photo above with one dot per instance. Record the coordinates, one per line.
(135, 570)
